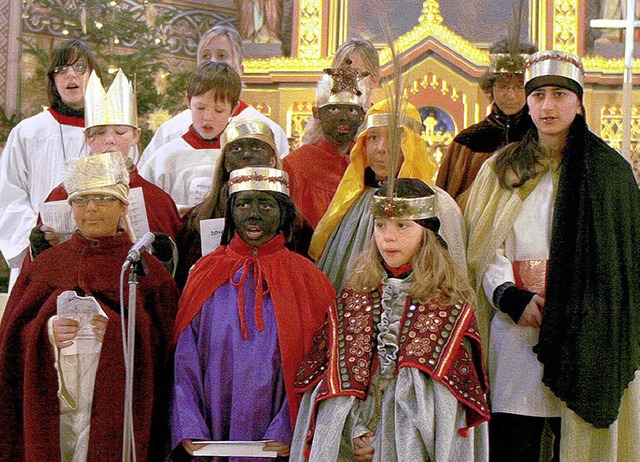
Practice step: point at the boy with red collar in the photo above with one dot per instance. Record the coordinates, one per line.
(185, 166)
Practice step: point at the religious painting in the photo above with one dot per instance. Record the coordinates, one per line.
(400, 15)
(480, 22)
(265, 27)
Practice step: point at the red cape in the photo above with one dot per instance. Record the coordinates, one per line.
(315, 171)
(300, 292)
(29, 406)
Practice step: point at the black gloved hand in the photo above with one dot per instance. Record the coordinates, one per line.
(37, 242)
(511, 300)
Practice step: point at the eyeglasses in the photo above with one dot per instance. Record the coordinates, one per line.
(100, 201)
(78, 67)
(502, 88)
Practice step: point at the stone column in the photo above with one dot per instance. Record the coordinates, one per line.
(9, 54)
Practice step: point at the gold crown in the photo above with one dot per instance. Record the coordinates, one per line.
(258, 179)
(404, 208)
(247, 128)
(554, 63)
(114, 107)
(385, 120)
(95, 172)
(507, 63)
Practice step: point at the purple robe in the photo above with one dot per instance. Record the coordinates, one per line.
(227, 387)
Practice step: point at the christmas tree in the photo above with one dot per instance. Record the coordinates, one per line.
(123, 34)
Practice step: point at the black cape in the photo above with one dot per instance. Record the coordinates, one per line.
(495, 131)
(590, 333)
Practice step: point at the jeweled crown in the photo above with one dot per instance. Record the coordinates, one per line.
(95, 172)
(258, 179)
(403, 208)
(247, 128)
(554, 62)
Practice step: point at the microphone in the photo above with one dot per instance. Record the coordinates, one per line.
(143, 244)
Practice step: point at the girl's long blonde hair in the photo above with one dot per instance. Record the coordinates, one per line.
(434, 273)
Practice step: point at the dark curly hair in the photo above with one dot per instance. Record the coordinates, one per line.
(287, 216)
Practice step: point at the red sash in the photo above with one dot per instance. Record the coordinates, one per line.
(531, 275)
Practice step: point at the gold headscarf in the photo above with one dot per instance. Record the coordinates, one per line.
(100, 174)
(417, 163)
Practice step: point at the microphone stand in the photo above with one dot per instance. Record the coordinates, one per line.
(137, 268)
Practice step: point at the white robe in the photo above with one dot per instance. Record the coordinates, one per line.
(179, 124)
(515, 373)
(76, 382)
(183, 172)
(31, 165)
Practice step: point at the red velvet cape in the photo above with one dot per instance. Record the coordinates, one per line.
(300, 292)
(29, 406)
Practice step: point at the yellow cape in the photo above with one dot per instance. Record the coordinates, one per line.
(418, 163)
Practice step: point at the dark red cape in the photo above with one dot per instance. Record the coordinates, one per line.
(29, 406)
(300, 292)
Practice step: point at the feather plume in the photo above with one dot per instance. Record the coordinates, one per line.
(394, 92)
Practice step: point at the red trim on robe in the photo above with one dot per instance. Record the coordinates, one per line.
(400, 270)
(241, 107)
(193, 139)
(67, 120)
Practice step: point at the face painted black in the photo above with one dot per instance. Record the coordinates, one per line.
(256, 215)
(248, 152)
(340, 122)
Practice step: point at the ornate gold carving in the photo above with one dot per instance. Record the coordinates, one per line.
(611, 132)
(432, 80)
(264, 108)
(431, 25)
(607, 66)
(310, 29)
(437, 141)
(297, 117)
(430, 13)
(284, 65)
(565, 25)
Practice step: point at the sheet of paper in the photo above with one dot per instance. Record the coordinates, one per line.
(70, 305)
(198, 190)
(137, 212)
(58, 215)
(234, 448)
(211, 234)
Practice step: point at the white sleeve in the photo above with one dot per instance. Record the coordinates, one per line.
(17, 215)
(497, 273)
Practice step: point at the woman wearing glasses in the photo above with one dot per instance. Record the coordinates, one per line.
(62, 374)
(31, 164)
